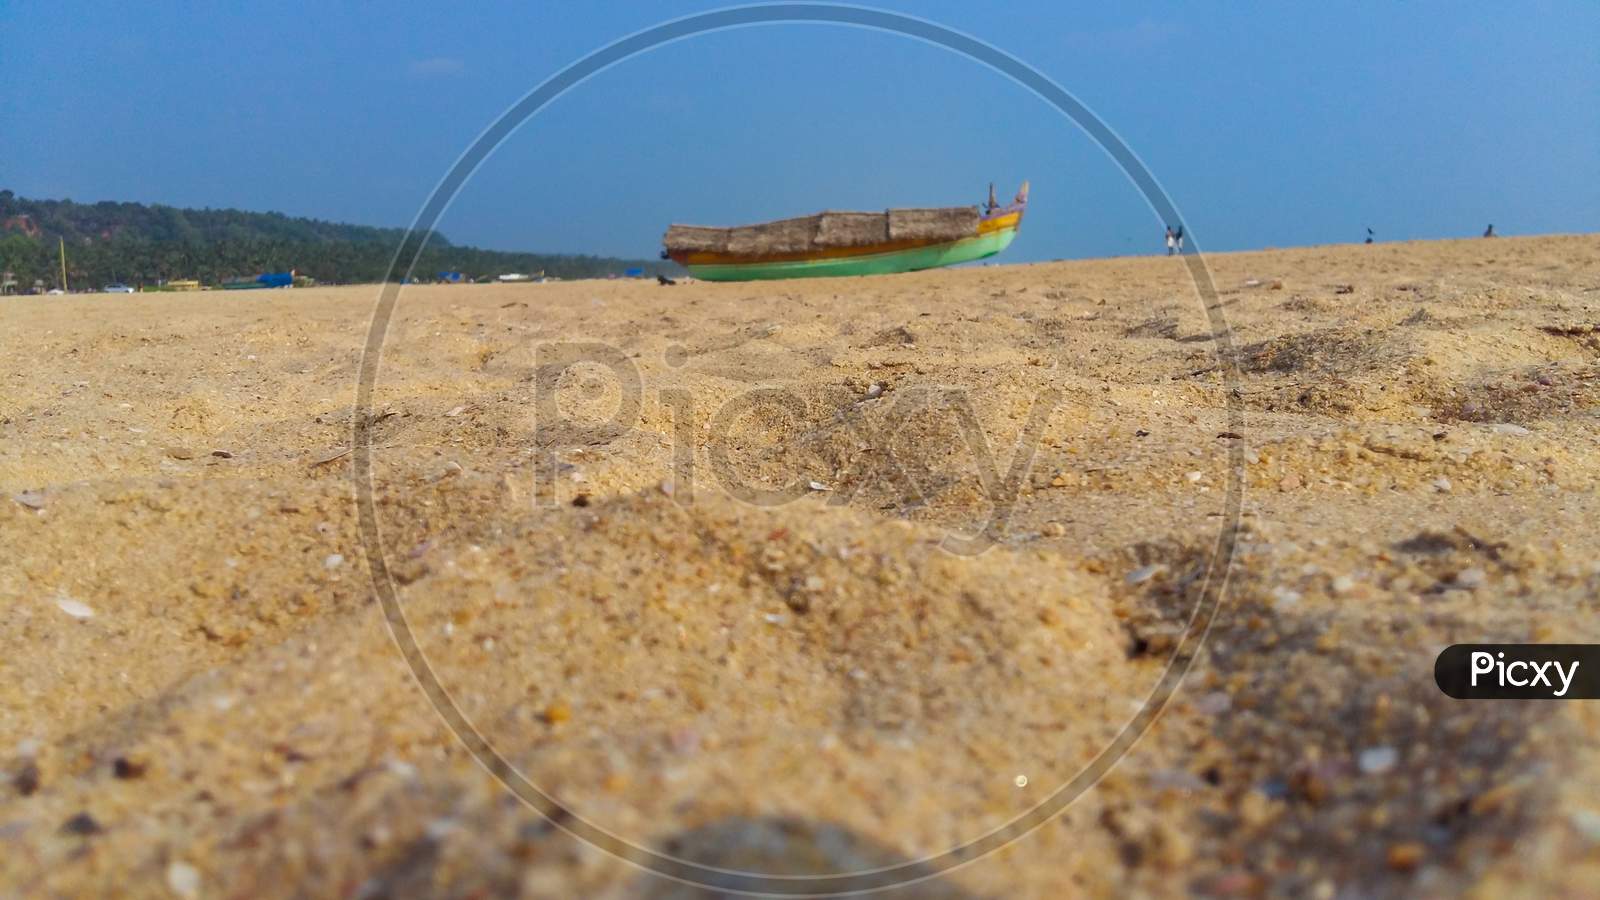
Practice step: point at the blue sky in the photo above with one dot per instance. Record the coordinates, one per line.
(1269, 125)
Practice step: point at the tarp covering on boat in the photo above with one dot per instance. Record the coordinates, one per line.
(852, 229)
(932, 224)
(782, 236)
(696, 238)
(826, 230)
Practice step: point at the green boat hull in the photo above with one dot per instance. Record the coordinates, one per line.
(911, 260)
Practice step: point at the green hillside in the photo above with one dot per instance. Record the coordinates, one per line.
(145, 244)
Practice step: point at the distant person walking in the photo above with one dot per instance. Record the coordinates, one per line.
(1172, 241)
(1489, 232)
(1179, 236)
(1369, 235)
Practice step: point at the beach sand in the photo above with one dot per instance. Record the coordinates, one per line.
(199, 695)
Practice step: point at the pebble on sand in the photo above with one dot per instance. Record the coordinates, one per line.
(31, 499)
(1405, 856)
(334, 561)
(1377, 760)
(1145, 573)
(183, 879)
(81, 824)
(128, 769)
(1587, 822)
(26, 779)
(74, 608)
(1508, 428)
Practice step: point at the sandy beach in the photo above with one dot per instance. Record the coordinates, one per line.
(767, 592)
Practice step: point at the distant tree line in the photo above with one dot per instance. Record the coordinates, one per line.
(139, 244)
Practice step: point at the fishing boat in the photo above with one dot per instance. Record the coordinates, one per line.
(847, 243)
